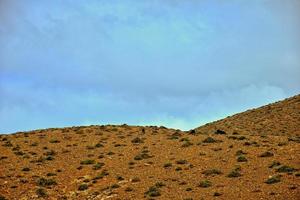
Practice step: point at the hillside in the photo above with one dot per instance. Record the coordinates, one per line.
(251, 155)
(280, 118)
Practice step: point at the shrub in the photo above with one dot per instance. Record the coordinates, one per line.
(205, 184)
(210, 172)
(45, 182)
(26, 169)
(87, 162)
(135, 179)
(209, 140)
(285, 169)
(273, 179)
(128, 189)
(41, 192)
(186, 144)
(181, 162)
(2, 197)
(153, 192)
(242, 158)
(137, 140)
(266, 154)
(274, 164)
(167, 165)
(82, 187)
(235, 173)
(240, 152)
(220, 132)
(54, 141)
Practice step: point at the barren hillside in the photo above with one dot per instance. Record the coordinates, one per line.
(252, 155)
(280, 118)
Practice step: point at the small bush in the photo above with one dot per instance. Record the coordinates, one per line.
(273, 179)
(211, 172)
(209, 140)
(242, 158)
(220, 132)
(54, 141)
(153, 192)
(98, 166)
(43, 182)
(167, 165)
(205, 184)
(285, 169)
(82, 187)
(235, 173)
(128, 189)
(26, 169)
(2, 197)
(41, 192)
(181, 162)
(87, 162)
(274, 164)
(137, 140)
(266, 154)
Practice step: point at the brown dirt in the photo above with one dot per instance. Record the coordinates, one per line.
(172, 161)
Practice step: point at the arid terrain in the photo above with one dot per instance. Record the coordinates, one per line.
(251, 155)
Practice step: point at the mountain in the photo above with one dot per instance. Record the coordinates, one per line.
(251, 155)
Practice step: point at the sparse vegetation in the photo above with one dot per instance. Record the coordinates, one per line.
(273, 179)
(205, 184)
(87, 162)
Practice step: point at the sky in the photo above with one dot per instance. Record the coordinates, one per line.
(174, 63)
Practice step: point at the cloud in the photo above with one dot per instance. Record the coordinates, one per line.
(163, 62)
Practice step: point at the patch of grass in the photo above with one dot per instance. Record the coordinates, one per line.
(87, 162)
(266, 154)
(98, 165)
(211, 172)
(205, 184)
(273, 179)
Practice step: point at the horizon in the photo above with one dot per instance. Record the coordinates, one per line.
(162, 63)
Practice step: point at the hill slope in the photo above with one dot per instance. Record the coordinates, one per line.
(133, 162)
(280, 118)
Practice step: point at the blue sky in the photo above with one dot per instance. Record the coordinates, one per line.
(161, 62)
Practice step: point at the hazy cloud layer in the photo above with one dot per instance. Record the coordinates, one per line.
(173, 63)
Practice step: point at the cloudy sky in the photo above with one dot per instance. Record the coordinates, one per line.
(161, 62)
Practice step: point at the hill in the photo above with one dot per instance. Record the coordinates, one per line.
(251, 155)
(280, 118)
